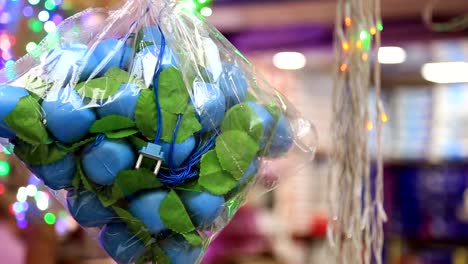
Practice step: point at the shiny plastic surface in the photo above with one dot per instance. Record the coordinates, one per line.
(152, 121)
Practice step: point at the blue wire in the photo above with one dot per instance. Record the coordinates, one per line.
(174, 137)
(99, 139)
(177, 176)
(156, 87)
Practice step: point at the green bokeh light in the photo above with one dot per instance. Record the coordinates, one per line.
(366, 39)
(380, 26)
(49, 218)
(35, 25)
(49, 5)
(5, 150)
(4, 168)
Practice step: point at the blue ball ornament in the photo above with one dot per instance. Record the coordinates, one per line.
(152, 34)
(87, 210)
(9, 96)
(146, 208)
(146, 61)
(233, 83)
(180, 251)
(57, 175)
(103, 162)
(63, 63)
(67, 118)
(121, 54)
(180, 153)
(251, 171)
(210, 104)
(121, 244)
(123, 103)
(265, 118)
(203, 207)
(282, 139)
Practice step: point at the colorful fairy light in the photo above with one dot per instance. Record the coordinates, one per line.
(2, 189)
(34, 2)
(364, 56)
(4, 168)
(348, 21)
(384, 118)
(43, 16)
(28, 11)
(345, 46)
(49, 218)
(370, 125)
(344, 67)
(41, 200)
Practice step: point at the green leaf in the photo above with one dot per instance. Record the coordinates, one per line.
(137, 142)
(37, 86)
(121, 133)
(243, 118)
(76, 181)
(106, 86)
(88, 185)
(26, 121)
(191, 186)
(129, 182)
(77, 145)
(144, 44)
(274, 110)
(235, 151)
(146, 114)
(38, 154)
(173, 95)
(169, 122)
(188, 126)
(249, 97)
(135, 226)
(159, 257)
(212, 176)
(111, 123)
(174, 215)
(193, 238)
(104, 194)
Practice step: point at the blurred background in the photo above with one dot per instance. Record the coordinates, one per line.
(425, 94)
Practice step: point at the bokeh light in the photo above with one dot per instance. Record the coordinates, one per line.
(49, 26)
(49, 5)
(34, 2)
(4, 168)
(30, 46)
(43, 15)
(28, 11)
(2, 188)
(49, 218)
(35, 25)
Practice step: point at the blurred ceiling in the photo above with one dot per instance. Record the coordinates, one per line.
(265, 24)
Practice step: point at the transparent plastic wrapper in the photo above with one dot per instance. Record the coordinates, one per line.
(150, 126)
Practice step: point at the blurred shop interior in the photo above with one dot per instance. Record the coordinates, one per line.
(425, 143)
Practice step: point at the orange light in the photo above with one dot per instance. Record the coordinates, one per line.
(384, 118)
(373, 31)
(343, 67)
(348, 21)
(364, 57)
(345, 46)
(370, 126)
(359, 44)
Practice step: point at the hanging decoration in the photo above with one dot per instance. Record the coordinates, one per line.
(356, 197)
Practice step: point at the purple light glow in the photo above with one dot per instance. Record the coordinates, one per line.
(22, 224)
(28, 11)
(57, 19)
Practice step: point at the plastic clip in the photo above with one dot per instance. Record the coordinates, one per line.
(152, 151)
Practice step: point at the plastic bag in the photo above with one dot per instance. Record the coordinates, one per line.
(150, 123)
